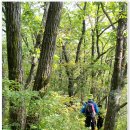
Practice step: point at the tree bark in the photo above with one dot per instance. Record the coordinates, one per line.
(37, 45)
(14, 56)
(46, 6)
(48, 46)
(46, 54)
(81, 38)
(69, 74)
(92, 58)
(115, 91)
(14, 47)
(97, 31)
(34, 60)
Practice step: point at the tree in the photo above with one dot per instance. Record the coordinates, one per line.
(14, 54)
(82, 36)
(37, 45)
(47, 51)
(69, 71)
(48, 46)
(118, 72)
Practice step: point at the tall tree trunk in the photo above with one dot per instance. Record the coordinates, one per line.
(14, 56)
(94, 32)
(69, 74)
(69, 71)
(115, 91)
(37, 45)
(48, 46)
(47, 52)
(97, 30)
(92, 58)
(81, 38)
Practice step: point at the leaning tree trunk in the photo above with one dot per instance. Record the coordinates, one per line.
(47, 52)
(37, 46)
(48, 46)
(117, 77)
(14, 56)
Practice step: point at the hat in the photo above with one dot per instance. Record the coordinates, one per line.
(90, 96)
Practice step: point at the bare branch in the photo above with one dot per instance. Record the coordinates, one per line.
(102, 99)
(81, 38)
(79, 6)
(104, 11)
(4, 30)
(3, 20)
(106, 28)
(98, 57)
(121, 106)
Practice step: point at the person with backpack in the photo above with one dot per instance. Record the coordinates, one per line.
(90, 109)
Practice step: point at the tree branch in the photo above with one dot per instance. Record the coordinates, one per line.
(3, 9)
(65, 54)
(121, 106)
(79, 6)
(102, 99)
(106, 28)
(46, 6)
(4, 30)
(25, 40)
(104, 11)
(102, 54)
(81, 38)
(3, 20)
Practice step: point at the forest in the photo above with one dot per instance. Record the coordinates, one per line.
(56, 54)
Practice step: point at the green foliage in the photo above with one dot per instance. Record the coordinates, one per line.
(53, 108)
(56, 115)
(16, 96)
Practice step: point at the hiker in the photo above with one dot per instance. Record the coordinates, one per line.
(100, 121)
(100, 118)
(90, 109)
